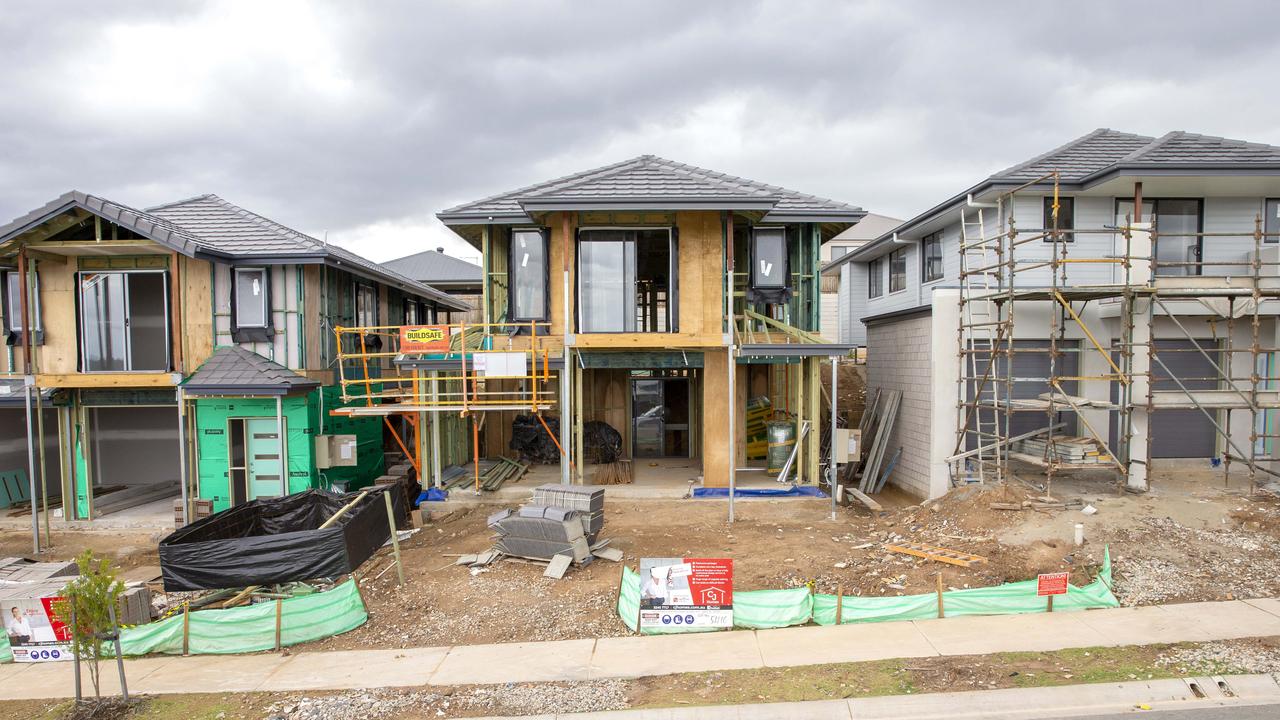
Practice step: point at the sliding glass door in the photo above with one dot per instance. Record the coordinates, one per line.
(124, 322)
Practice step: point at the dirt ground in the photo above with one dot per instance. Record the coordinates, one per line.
(1191, 538)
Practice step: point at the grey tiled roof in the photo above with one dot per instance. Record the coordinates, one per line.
(230, 229)
(146, 224)
(1184, 147)
(233, 369)
(649, 178)
(431, 266)
(1080, 157)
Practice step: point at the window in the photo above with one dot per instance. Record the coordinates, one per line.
(411, 312)
(931, 257)
(768, 258)
(528, 259)
(875, 278)
(12, 308)
(252, 306)
(366, 305)
(898, 270)
(839, 251)
(1066, 218)
(1271, 223)
(1178, 222)
(124, 321)
(623, 280)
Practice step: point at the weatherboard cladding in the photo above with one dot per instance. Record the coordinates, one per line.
(650, 178)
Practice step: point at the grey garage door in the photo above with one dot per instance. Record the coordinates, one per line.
(1183, 433)
(1031, 373)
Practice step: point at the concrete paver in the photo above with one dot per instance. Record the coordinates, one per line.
(515, 662)
(786, 647)
(626, 657)
(984, 634)
(313, 670)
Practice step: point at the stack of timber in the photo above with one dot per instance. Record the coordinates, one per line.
(759, 410)
(1061, 450)
(870, 471)
(621, 472)
(494, 473)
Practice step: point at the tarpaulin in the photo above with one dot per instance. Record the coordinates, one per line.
(796, 606)
(792, 491)
(276, 540)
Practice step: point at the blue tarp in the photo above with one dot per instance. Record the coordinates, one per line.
(793, 491)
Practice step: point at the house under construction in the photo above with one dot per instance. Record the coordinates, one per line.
(1108, 305)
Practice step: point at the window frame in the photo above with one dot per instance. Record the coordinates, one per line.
(902, 251)
(673, 284)
(83, 360)
(1155, 215)
(14, 333)
(1269, 217)
(513, 275)
(875, 278)
(785, 277)
(1068, 234)
(236, 319)
(932, 239)
(357, 291)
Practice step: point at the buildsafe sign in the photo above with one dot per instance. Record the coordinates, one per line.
(424, 338)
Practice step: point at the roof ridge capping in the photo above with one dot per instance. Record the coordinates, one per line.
(1069, 145)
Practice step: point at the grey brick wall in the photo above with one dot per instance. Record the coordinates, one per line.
(898, 358)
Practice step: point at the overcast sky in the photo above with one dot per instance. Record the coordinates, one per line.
(362, 119)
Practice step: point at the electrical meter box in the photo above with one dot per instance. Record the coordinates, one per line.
(846, 445)
(335, 451)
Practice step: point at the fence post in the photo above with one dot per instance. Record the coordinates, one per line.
(186, 628)
(839, 603)
(395, 539)
(279, 613)
(941, 612)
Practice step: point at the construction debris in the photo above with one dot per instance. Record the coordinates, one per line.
(1064, 450)
(937, 554)
(621, 472)
(536, 443)
(869, 471)
(557, 567)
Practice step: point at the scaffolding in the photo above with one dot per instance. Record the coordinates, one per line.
(471, 369)
(1008, 272)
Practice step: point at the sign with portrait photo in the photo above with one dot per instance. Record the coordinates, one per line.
(686, 592)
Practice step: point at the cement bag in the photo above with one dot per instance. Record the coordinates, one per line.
(772, 608)
(856, 609)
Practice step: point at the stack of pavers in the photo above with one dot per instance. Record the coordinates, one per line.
(559, 520)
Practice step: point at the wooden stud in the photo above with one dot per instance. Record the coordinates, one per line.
(186, 629)
(839, 603)
(941, 612)
(395, 539)
(279, 616)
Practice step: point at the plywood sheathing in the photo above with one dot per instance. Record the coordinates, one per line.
(715, 418)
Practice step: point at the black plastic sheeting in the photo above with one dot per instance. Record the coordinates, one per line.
(277, 540)
(531, 441)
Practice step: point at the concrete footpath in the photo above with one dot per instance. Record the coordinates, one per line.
(637, 656)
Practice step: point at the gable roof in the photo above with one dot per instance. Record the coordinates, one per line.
(649, 182)
(234, 370)
(148, 225)
(435, 268)
(1104, 154)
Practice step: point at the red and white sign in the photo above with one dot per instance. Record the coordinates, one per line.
(424, 338)
(1052, 583)
(696, 592)
(36, 633)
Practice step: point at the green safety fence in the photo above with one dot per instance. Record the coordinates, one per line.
(780, 608)
(245, 629)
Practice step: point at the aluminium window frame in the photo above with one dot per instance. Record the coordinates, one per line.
(875, 278)
(1154, 220)
(933, 238)
(13, 334)
(673, 282)
(1267, 219)
(1046, 220)
(785, 282)
(82, 361)
(513, 273)
(236, 323)
(903, 252)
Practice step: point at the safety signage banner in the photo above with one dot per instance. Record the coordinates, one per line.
(691, 592)
(35, 632)
(424, 338)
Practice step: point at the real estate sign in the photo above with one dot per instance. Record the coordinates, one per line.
(35, 632)
(686, 592)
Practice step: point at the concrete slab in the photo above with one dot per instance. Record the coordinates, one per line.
(1271, 605)
(1138, 626)
(333, 670)
(639, 656)
(809, 710)
(976, 635)
(842, 643)
(209, 673)
(1226, 620)
(57, 679)
(515, 662)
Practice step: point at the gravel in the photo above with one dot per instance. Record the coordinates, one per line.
(1223, 657)
(511, 699)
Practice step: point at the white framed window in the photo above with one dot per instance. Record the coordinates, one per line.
(253, 308)
(528, 262)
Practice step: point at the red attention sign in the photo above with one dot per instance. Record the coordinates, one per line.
(1052, 583)
(711, 582)
(424, 338)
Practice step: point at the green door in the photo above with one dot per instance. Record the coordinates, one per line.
(266, 469)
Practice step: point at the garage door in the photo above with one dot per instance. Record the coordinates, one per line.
(1031, 372)
(1183, 433)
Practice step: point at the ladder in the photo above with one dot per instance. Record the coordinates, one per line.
(983, 330)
